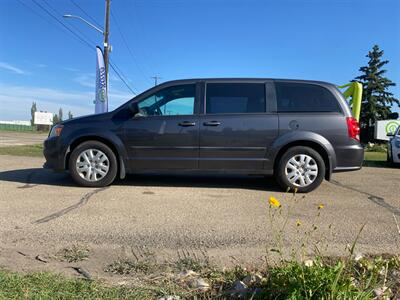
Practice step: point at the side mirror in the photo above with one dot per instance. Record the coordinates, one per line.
(390, 134)
(134, 108)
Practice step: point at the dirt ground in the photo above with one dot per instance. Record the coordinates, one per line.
(15, 138)
(225, 218)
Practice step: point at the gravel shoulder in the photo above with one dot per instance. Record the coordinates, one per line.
(16, 138)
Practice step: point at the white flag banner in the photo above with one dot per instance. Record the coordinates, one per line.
(101, 102)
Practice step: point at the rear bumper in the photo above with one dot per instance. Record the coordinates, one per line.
(349, 158)
(54, 154)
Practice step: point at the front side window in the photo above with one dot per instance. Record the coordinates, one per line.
(225, 98)
(171, 101)
(303, 97)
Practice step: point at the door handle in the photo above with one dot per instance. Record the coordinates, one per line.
(212, 123)
(186, 124)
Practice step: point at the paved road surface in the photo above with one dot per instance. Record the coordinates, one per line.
(228, 217)
(15, 138)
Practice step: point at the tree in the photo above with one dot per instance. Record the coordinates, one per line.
(70, 115)
(377, 100)
(56, 119)
(60, 114)
(33, 110)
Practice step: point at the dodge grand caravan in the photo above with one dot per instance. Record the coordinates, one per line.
(298, 131)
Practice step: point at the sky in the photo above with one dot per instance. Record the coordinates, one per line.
(41, 61)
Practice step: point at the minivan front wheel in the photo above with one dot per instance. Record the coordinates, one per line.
(300, 168)
(93, 164)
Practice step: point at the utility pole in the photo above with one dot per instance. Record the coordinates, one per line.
(106, 46)
(156, 77)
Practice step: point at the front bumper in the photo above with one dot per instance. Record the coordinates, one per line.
(54, 154)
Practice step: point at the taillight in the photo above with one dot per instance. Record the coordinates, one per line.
(353, 128)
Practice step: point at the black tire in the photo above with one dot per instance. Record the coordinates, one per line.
(389, 158)
(113, 165)
(280, 170)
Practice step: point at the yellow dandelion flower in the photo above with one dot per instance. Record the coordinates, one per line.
(321, 206)
(298, 223)
(274, 202)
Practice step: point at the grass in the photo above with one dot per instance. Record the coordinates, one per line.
(24, 150)
(51, 286)
(74, 253)
(375, 159)
(129, 266)
(327, 278)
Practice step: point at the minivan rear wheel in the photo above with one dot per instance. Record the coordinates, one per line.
(93, 164)
(300, 169)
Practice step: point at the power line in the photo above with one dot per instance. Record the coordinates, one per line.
(63, 25)
(127, 46)
(76, 28)
(85, 13)
(156, 77)
(34, 11)
(118, 69)
(120, 77)
(80, 39)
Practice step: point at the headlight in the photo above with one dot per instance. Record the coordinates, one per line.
(397, 143)
(56, 130)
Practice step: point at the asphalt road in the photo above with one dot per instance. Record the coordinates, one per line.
(16, 138)
(227, 218)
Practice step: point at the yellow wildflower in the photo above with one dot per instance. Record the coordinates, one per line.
(321, 206)
(274, 202)
(298, 223)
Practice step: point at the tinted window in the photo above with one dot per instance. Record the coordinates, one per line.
(176, 100)
(301, 97)
(235, 98)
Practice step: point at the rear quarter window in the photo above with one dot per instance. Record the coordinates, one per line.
(304, 97)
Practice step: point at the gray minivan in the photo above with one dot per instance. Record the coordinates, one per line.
(298, 131)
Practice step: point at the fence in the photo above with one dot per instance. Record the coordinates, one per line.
(17, 127)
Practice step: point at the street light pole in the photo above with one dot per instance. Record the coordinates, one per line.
(85, 21)
(106, 46)
(105, 33)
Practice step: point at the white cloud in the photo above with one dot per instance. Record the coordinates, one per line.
(16, 101)
(11, 68)
(70, 69)
(85, 79)
(89, 79)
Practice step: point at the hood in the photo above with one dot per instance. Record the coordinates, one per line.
(88, 118)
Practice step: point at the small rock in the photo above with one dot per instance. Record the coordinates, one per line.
(252, 279)
(83, 272)
(239, 286)
(41, 259)
(122, 283)
(239, 290)
(199, 283)
(382, 271)
(358, 257)
(187, 273)
(170, 297)
(308, 263)
(380, 292)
